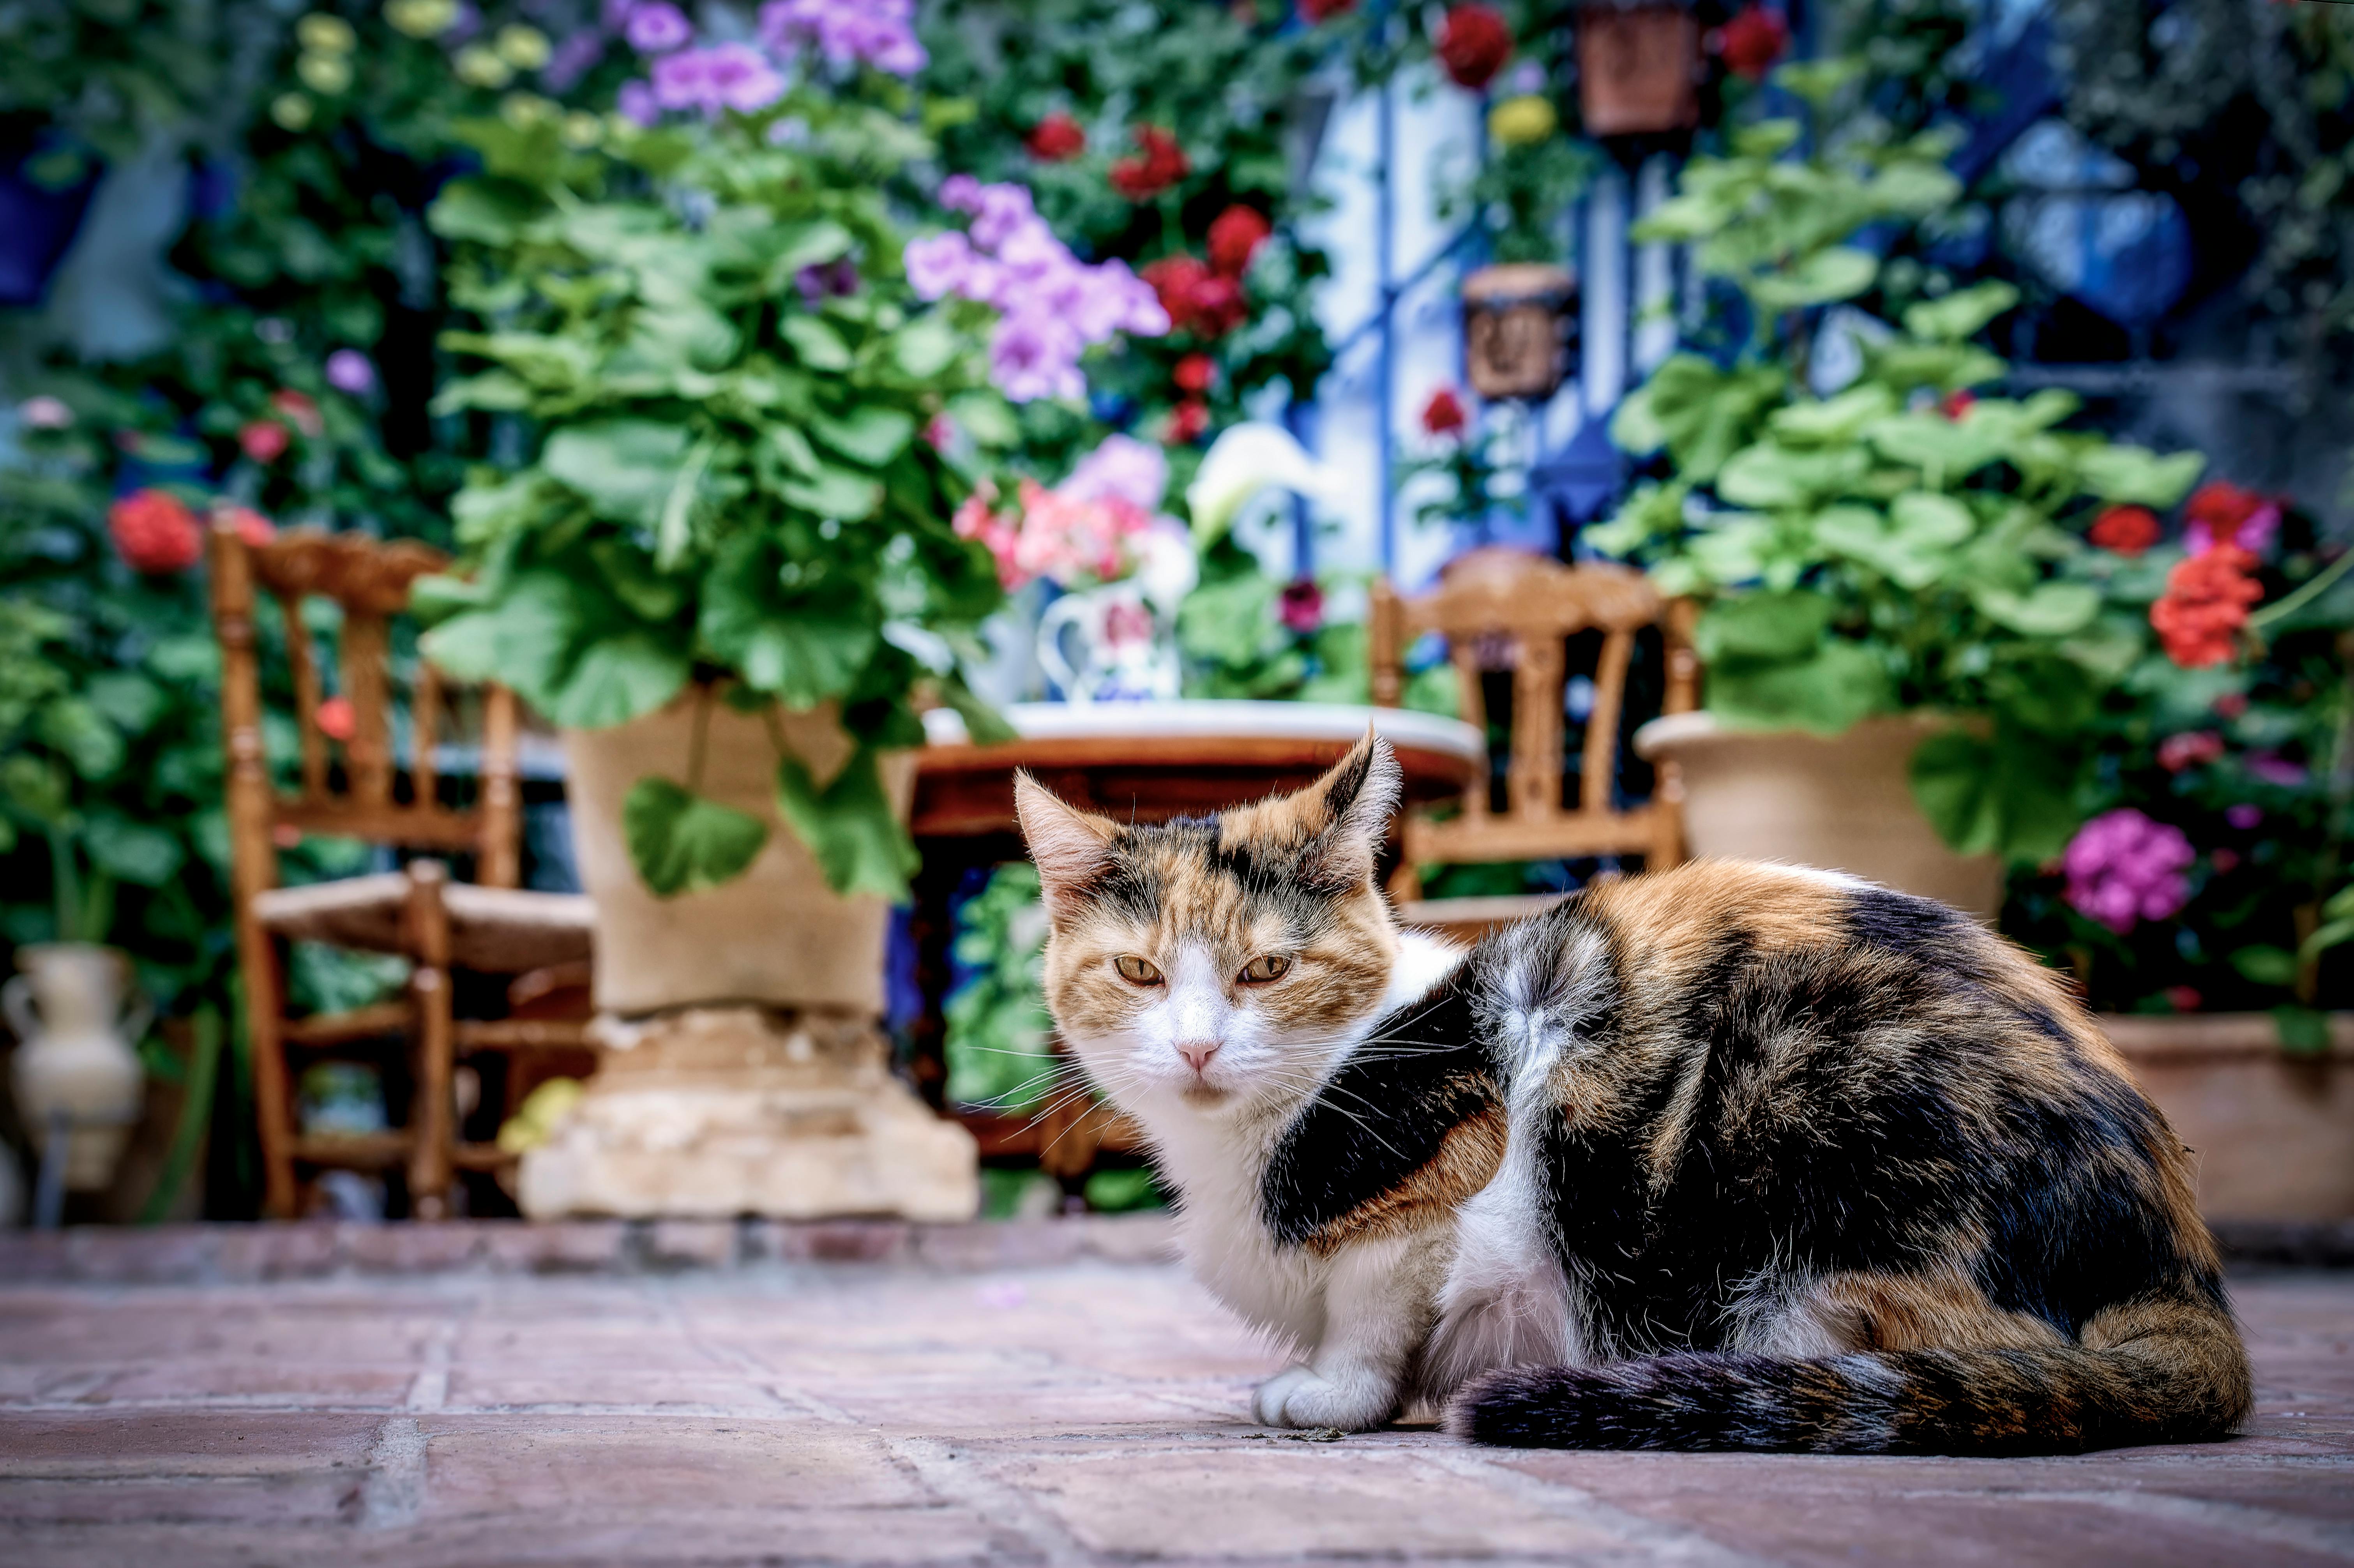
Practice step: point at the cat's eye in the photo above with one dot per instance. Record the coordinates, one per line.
(1136, 971)
(1265, 968)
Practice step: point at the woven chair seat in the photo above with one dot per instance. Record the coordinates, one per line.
(493, 930)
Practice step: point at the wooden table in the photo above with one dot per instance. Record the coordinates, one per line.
(1137, 762)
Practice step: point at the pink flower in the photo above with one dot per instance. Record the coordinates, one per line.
(1301, 606)
(2272, 768)
(1121, 469)
(45, 413)
(335, 720)
(154, 532)
(2244, 817)
(724, 76)
(264, 441)
(939, 264)
(251, 527)
(1033, 355)
(2177, 752)
(2123, 868)
(2220, 511)
(637, 102)
(302, 410)
(880, 33)
(655, 28)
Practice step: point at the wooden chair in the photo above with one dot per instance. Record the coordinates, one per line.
(1502, 609)
(491, 926)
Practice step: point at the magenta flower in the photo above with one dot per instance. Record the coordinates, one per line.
(655, 28)
(2123, 867)
(2272, 768)
(572, 60)
(880, 33)
(724, 76)
(636, 102)
(348, 371)
(2244, 816)
(939, 264)
(1301, 606)
(1033, 355)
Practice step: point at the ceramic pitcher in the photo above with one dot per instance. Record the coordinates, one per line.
(1109, 645)
(76, 1021)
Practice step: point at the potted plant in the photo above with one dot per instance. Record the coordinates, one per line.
(1905, 636)
(729, 568)
(1638, 67)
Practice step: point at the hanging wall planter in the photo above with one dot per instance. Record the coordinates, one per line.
(1638, 68)
(1520, 323)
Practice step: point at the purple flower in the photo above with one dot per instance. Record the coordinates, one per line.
(656, 27)
(637, 102)
(817, 281)
(880, 33)
(572, 60)
(724, 76)
(1000, 213)
(960, 192)
(1123, 466)
(348, 370)
(2244, 816)
(939, 264)
(2123, 867)
(1300, 607)
(614, 15)
(2272, 768)
(1033, 355)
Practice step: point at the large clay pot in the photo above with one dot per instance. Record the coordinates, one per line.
(776, 934)
(1843, 803)
(77, 1055)
(2272, 1134)
(1639, 68)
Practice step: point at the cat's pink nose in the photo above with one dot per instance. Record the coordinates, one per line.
(1197, 1053)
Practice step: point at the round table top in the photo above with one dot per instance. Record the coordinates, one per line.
(1151, 760)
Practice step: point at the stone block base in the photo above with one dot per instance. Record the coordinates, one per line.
(713, 1112)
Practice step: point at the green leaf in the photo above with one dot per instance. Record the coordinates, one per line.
(619, 676)
(802, 649)
(819, 346)
(2049, 609)
(2138, 476)
(2261, 964)
(681, 842)
(1862, 535)
(131, 852)
(2014, 794)
(92, 747)
(1842, 685)
(2303, 1031)
(983, 724)
(849, 825)
(1833, 419)
(1961, 313)
(486, 211)
(926, 346)
(1924, 517)
(1953, 784)
(1839, 273)
(130, 703)
(834, 493)
(626, 468)
(869, 434)
(674, 532)
(1769, 475)
(1701, 414)
(1761, 626)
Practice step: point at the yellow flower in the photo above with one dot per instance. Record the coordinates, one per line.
(326, 35)
(582, 129)
(1517, 122)
(327, 75)
(480, 67)
(291, 110)
(524, 109)
(525, 49)
(421, 18)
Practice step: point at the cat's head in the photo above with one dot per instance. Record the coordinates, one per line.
(1218, 962)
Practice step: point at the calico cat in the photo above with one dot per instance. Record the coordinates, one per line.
(1732, 1156)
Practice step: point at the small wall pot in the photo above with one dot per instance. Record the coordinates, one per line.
(78, 1022)
(2272, 1134)
(1519, 329)
(1638, 69)
(1843, 803)
(776, 934)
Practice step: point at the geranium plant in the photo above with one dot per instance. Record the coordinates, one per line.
(1888, 541)
(742, 407)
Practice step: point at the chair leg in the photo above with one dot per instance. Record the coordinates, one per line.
(433, 1136)
(273, 1099)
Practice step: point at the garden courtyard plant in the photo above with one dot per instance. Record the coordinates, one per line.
(1879, 538)
(752, 409)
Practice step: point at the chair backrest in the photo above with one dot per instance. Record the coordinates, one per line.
(1502, 609)
(369, 580)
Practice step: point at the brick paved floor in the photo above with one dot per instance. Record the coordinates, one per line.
(1080, 1411)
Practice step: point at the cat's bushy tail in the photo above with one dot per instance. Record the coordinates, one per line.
(2181, 1378)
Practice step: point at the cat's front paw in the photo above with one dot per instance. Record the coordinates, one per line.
(1299, 1396)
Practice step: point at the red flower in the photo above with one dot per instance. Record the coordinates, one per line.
(1193, 373)
(1163, 165)
(154, 532)
(1325, 10)
(1301, 606)
(301, 411)
(1197, 300)
(1954, 405)
(335, 720)
(2128, 530)
(1236, 236)
(264, 441)
(1442, 415)
(1187, 420)
(2231, 704)
(2184, 999)
(1057, 139)
(2177, 752)
(2222, 506)
(1753, 42)
(2206, 603)
(251, 527)
(1473, 45)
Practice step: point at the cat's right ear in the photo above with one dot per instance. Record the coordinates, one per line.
(1071, 848)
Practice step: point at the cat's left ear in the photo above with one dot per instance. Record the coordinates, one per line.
(1360, 795)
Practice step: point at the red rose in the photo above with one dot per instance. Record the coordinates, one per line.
(1316, 11)
(264, 441)
(154, 532)
(2206, 603)
(1193, 373)
(335, 720)
(1163, 164)
(1236, 236)
(1442, 415)
(1057, 139)
(301, 411)
(1753, 42)
(1187, 420)
(251, 527)
(1473, 45)
(2128, 530)
(1954, 405)
(1301, 606)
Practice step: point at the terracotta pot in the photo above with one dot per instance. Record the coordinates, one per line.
(1519, 321)
(1638, 68)
(78, 1023)
(1843, 803)
(776, 934)
(2273, 1133)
